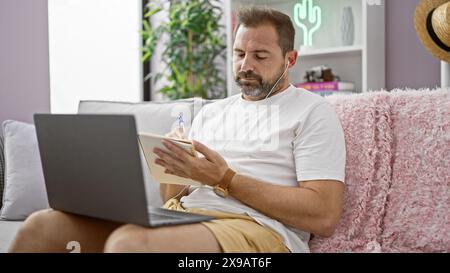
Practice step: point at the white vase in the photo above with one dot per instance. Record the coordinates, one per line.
(347, 27)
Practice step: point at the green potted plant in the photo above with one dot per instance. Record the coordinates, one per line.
(194, 48)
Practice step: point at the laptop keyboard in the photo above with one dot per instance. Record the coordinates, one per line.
(159, 216)
(162, 217)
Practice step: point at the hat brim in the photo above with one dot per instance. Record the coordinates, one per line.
(420, 20)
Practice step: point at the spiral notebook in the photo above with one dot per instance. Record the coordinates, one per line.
(148, 142)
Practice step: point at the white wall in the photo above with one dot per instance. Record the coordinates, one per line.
(94, 52)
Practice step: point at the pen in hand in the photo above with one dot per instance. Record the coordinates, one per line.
(181, 123)
(178, 131)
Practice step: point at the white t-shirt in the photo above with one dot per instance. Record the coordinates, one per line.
(290, 137)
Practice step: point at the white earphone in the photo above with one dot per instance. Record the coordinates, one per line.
(284, 72)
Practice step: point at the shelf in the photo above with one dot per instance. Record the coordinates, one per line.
(331, 51)
(363, 62)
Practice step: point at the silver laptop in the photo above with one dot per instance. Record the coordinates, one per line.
(92, 167)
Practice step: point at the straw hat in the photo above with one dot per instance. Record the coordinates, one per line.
(432, 22)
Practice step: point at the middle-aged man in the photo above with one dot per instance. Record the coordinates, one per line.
(272, 167)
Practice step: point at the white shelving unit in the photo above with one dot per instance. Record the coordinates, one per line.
(362, 63)
(445, 74)
(350, 50)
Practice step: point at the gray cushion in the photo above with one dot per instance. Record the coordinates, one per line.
(2, 170)
(24, 191)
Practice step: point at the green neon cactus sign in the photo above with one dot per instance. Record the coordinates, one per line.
(306, 12)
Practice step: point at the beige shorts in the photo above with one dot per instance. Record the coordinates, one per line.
(237, 232)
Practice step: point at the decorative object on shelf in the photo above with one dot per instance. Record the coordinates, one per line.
(321, 81)
(347, 27)
(193, 51)
(432, 22)
(320, 74)
(328, 88)
(307, 14)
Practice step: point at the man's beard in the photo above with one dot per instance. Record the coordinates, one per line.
(257, 90)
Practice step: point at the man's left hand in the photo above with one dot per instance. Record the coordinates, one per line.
(208, 170)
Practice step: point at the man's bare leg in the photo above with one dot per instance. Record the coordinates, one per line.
(51, 231)
(179, 238)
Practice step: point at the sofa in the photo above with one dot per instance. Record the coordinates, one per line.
(397, 196)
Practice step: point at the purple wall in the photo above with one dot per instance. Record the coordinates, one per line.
(408, 64)
(24, 64)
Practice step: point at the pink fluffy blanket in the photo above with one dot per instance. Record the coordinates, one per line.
(397, 196)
